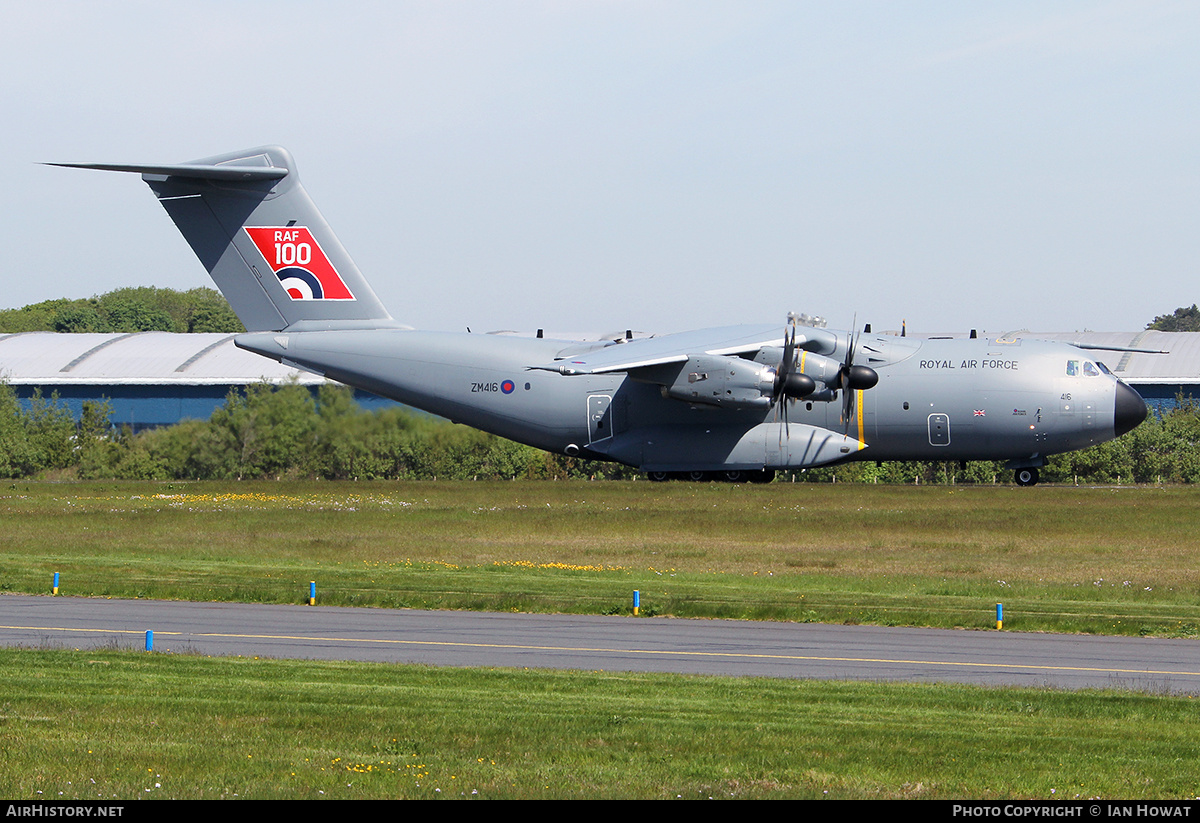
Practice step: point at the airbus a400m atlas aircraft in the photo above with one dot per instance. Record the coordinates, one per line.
(734, 403)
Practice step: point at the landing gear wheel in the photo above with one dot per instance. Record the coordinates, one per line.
(761, 476)
(734, 476)
(1027, 477)
(658, 477)
(697, 477)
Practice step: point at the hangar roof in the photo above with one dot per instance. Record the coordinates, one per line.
(147, 358)
(1180, 366)
(158, 358)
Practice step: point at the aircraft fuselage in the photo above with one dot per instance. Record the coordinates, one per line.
(951, 399)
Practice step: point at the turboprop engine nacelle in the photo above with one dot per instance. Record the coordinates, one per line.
(716, 380)
(827, 373)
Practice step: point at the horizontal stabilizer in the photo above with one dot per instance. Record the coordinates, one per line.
(229, 172)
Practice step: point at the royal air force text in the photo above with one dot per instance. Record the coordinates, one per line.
(979, 365)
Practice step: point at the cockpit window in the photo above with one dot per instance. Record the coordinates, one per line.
(1102, 367)
(1085, 367)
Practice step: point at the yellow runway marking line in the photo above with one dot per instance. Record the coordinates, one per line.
(97, 631)
(648, 652)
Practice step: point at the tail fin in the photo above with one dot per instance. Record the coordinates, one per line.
(265, 244)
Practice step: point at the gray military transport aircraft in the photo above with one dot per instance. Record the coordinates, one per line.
(733, 403)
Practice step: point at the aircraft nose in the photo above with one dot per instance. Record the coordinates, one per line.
(1129, 411)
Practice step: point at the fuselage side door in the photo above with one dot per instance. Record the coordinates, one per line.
(600, 419)
(939, 429)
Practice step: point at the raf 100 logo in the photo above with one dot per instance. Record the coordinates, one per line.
(288, 252)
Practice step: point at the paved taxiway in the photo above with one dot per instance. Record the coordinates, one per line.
(719, 647)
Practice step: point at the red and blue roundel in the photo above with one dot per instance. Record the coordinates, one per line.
(299, 262)
(507, 387)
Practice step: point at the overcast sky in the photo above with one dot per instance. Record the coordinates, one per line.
(602, 164)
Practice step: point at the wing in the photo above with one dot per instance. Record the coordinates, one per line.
(647, 352)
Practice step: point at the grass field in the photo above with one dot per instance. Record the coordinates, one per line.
(121, 724)
(1110, 560)
(103, 725)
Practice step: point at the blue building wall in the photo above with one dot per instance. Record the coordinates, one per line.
(147, 407)
(1161, 398)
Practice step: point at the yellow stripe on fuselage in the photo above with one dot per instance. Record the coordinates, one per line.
(859, 403)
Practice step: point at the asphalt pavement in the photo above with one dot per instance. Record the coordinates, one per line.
(593, 642)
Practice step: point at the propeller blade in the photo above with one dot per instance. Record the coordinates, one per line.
(788, 382)
(852, 378)
(844, 378)
(786, 364)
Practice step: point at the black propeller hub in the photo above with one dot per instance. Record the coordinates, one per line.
(860, 377)
(795, 384)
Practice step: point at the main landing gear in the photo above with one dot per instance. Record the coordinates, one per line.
(726, 476)
(1026, 477)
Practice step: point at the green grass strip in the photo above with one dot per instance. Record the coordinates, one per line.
(123, 725)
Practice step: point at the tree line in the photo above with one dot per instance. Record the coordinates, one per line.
(136, 309)
(266, 431)
(1183, 319)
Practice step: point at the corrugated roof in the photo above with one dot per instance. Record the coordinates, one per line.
(155, 358)
(1180, 366)
(148, 358)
